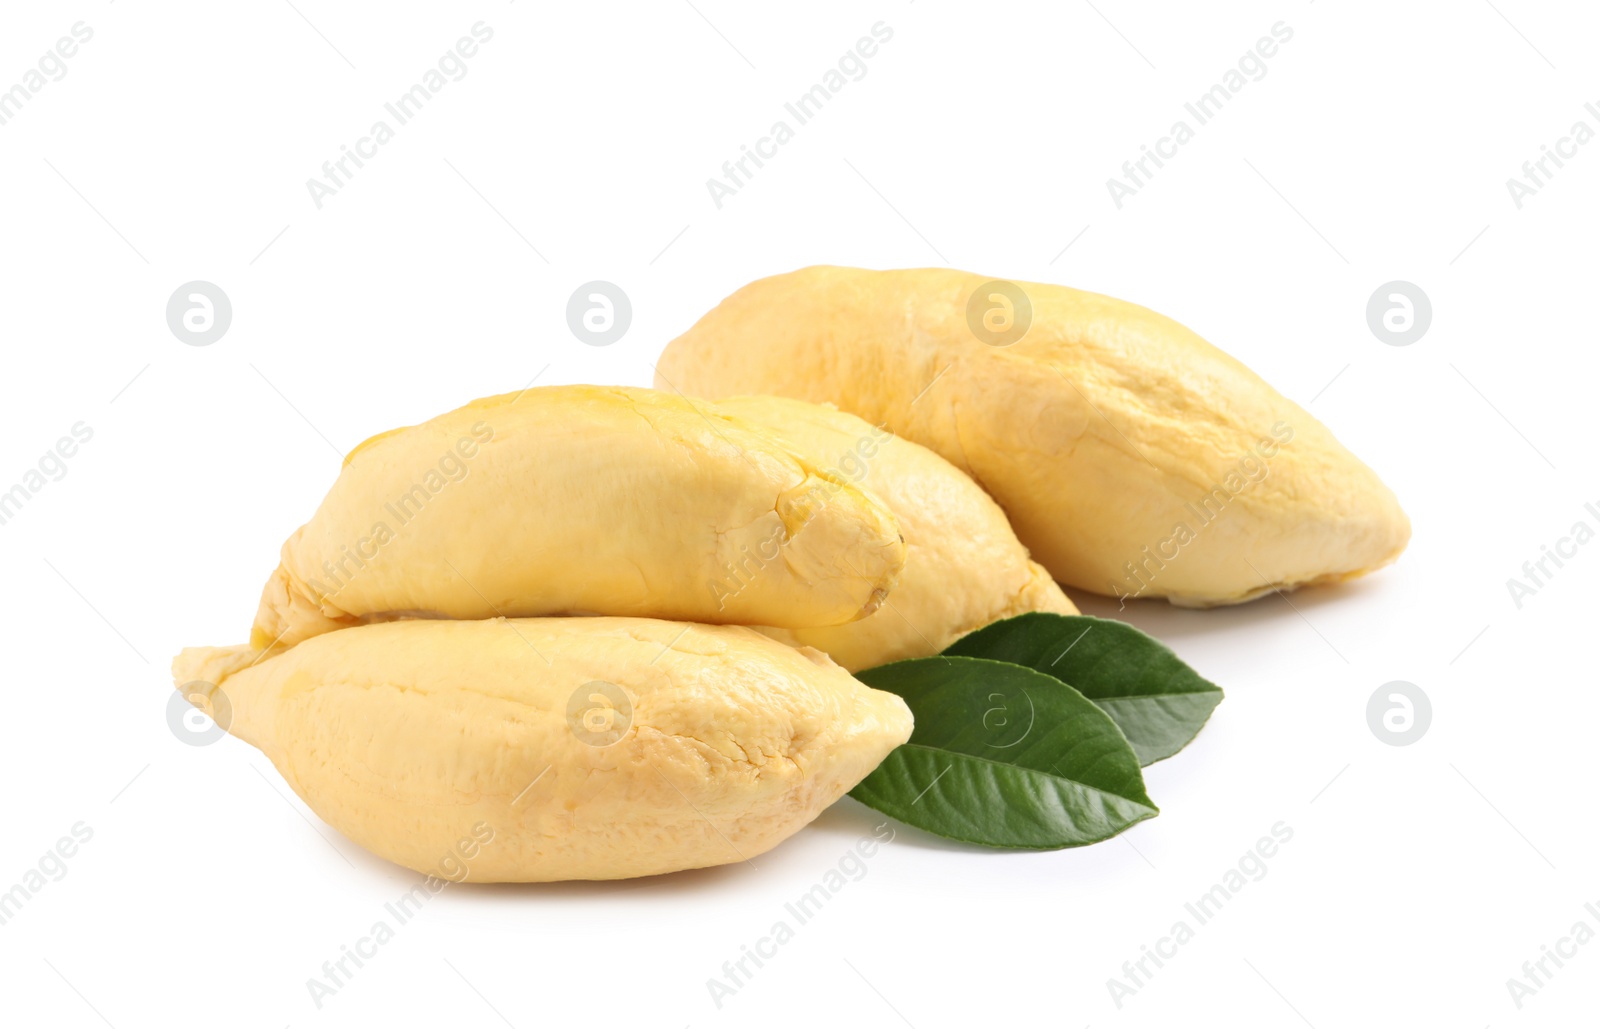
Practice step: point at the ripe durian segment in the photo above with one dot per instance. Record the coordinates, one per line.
(581, 500)
(1133, 457)
(559, 748)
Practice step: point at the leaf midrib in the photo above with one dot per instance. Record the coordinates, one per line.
(1034, 771)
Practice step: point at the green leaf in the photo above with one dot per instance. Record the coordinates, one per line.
(1003, 756)
(1159, 702)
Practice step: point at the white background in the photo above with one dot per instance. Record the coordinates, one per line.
(1377, 147)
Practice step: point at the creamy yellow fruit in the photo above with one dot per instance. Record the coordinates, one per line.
(539, 749)
(576, 500)
(1133, 457)
(964, 566)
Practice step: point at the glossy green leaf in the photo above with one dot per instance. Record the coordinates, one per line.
(1003, 756)
(1159, 702)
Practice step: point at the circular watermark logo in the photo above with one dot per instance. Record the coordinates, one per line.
(199, 313)
(999, 313)
(599, 313)
(191, 724)
(1008, 716)
(599, 713)
(1399, 313)
(1399, 713)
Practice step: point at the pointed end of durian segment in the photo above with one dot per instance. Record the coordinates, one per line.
(1400, 535)
(291, 612)
(894, 717)
(272, 620)
(197, 672)
(287, 614)
(201, 674)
